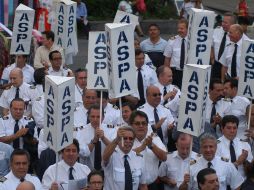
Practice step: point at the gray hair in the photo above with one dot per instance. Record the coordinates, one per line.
(206, 136)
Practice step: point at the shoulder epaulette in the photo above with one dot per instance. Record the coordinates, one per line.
(199, 155)
(110, 126)
(5, 117)
(227, 99)
(140, 155)
(218, 141)
(140, 107)
(2, 179)
(27, 118)
(228, 44)
(38, 99)
(32, 87)
(224, 159)
(170, 152)
(115, 107)
(173, 38)
(193, 162)
(244, 140)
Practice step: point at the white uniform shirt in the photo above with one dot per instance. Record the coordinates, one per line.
(172, 105)
(114, 171)
(38, 111)
(62, 72)
(226, 172)
(223, 150)
(173, 51)
(162, 112)
(238, 109)
(12, 182)
(175, 168)
(80, 116)
(28, 73)
(8, 95)
(78, 94)
(7, 124)
(80, 171)
(226, 57)
(151, 160)
(85, 135)
(218, 34)
(111, 115)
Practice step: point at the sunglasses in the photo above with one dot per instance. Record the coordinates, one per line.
(128, 138)
(156, 94)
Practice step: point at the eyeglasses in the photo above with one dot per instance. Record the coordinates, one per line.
(156, 94)
(128, 138)
(138, 123)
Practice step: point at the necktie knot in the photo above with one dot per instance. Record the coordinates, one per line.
(209, 164)
(71, 174)
(125, 157)
(22, 179)
(236, 45)
(17, 93)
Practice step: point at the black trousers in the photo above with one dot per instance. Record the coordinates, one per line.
(177, 77)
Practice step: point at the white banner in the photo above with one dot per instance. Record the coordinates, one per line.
(246, 77)
(200, 32)
(97, 61)
(124, 17)
(22, 30)
(120, 59)
(194, 94)
(65, 32)
(59, 111)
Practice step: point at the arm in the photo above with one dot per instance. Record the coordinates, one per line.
(223, 72)
(10, 138)
(212, 56)
(168, 181)
(167, 61)
(110, 149)
(186, 180)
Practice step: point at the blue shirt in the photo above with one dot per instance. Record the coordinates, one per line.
(81, 10)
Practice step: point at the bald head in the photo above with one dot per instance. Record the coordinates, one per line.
(235, 33)
(26, 185)
(183, 145)
(16, 77)
(153, 96)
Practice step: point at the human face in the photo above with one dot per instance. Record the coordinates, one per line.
(94, 118)
(19, 166)
(89, 98)
(217, 92)
(81, 79)
(211, 182)
(182, 30)
(56, 61)
(128, 139)
(70, 154)
(140, 126)
(208, 148)
(228, 91)
(226, 23)
(46, 42)
(154, 32)
(183, 147)
(126, 112)
(136, 44)
(166, 77)
(17, 109)
(229, 130)
(16, 78)
(139, 60)
(95, 183)
(20, 60)
(153, 96)
(234, 34)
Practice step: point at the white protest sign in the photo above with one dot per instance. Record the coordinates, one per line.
(194, 94)
(97, 61)
(246, 77)
(59, 111)
(22, 30)
(65, 33)
(120, 59)
(200, 34)
(124, 17)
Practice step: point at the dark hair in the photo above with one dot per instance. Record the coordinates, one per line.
(17, 100)
(76, 143)
(233, 82)
(104, 94)
(249, 168)
(229, 119)
(19, 152)
(39, 75)
(134, 114)
(155, 25)
(85, 90)
(79, 70)
(49, 35)
(51, 54)
(138, 51)
(130, 105)
(233, 17)
(183, 21)
(94, 172)
(95, 107)
(214, 81)
(202, 173)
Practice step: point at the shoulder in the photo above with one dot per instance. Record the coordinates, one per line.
(32, 87)
(114, 107)
(27, 118)
(5, 117)
(2, 179)
(224, 159)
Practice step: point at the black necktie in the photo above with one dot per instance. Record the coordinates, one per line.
(16, 141)
(128, 176)
(222, 45)
(213, 112)
(182, 56)
(164, 94)
(70, 174)
(232, 152)
(233, 63)
(87, 119)
(156, 119)
(17, 93)
(209, 164)
(141, 86)
(97, 155)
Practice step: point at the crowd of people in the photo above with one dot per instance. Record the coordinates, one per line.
(141, 147)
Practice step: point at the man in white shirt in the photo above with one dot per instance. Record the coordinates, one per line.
(80, 84)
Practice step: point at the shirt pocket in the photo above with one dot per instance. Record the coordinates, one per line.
(177, 52)
(119, 174)
(136, 174)
(172, 173)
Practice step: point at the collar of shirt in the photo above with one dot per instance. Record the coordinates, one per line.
(176, 155)
(121, 153)
(67, 167)
(151, 108)
(10, 175)
(205, 162)
(158, 42)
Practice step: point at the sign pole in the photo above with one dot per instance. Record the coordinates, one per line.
(101, 109)
(121, 116)
(57, 159)
(249, 116)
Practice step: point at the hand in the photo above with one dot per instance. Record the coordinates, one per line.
(172, 182)
(54, 186)
(242, 157)
(45, 64)
(70, 73)
(171, 126)
(99, 133)
(120, 132)
(21, 132)
(186, 178)
(217, 119)
(148, 141)
(249, 133)
(159, 123)
(171, 95)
